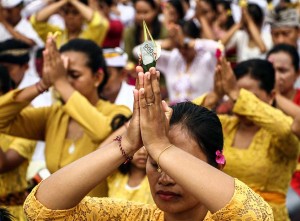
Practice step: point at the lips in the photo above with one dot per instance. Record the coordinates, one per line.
(167, 195)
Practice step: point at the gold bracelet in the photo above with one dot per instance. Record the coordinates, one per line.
(158, 166)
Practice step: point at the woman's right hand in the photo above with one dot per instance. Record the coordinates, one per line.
(229, 82)
(133, 137)
(54, 67)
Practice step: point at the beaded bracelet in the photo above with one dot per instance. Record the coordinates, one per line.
(127, 157)
(40, 88)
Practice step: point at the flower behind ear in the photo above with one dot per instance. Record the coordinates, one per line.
(220, 158)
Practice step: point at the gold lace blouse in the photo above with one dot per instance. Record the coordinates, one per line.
(244, 205)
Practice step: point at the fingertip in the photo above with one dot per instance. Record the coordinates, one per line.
(139, 69)
(142, 90)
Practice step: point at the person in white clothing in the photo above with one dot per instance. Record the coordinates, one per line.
(251, 41)
(117, 90)
(189, 67)
(13, 25)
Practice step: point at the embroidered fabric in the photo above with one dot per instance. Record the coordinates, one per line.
(245, 205)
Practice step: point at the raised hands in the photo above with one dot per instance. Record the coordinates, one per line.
(54, 65)
(150, 121)
(225, 81)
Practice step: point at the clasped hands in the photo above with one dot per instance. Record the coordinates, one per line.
(54, 65)
(225, 81)
(149, 125)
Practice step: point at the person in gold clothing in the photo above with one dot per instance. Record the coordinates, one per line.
(15, 154)
(259, 145)
(75, 126)
(183, 168)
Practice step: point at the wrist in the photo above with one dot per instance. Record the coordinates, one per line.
(40, 87)
(124, 147)
(155, 149)
(234, 94)
(60, 82)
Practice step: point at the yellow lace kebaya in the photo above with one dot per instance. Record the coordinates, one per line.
(14, 182)
(268, 163)
(244, 205)
(118, 188)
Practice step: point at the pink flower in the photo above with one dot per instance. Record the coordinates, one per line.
(218, 53)
(220, 158)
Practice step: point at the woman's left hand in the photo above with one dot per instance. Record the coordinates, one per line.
(154, 114)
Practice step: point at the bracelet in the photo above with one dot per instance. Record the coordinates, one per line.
(125, 155)
(40, 88)
(158, 166)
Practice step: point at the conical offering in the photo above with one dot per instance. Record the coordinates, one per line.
(149, 50)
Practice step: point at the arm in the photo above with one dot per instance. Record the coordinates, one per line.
(15, 34)
(19, 151)
(86, 11)
(230, 33)
(254, 31)
(45, 13)
(10, 160)
(49, 193)
(287, 106)
(206, 31)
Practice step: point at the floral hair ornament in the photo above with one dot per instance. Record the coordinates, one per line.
(220, 158)
(220, 49)
(53, 35)
(149, 50)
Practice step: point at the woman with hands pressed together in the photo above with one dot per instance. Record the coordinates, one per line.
(259, 145)
(184, 150)
(75, 126)
(80, 21)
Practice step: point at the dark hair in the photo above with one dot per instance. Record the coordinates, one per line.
(5, 215)
(201, 124)
(212, 4)
(190, 29)
(5, 81)
(256, 13)
(258, 69)
(177, 4)
(14, 45)
(230, 21)
(156, 25)
(93, 53)
(288, 49)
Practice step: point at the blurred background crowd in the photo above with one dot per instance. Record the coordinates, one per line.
(44, 132)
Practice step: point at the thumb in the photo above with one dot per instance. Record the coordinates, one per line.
(168, 111)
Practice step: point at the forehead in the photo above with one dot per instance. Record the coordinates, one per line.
(284, 29)
(280, 58)
(180, 137)
(248, 83)
(143, 5)
(76, 58)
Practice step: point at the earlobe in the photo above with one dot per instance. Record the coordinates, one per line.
(99, 77)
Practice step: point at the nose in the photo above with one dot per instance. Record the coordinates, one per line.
(280, 39)
(165, 180)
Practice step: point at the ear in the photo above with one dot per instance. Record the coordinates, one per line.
(98, 77)
(272, 96)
